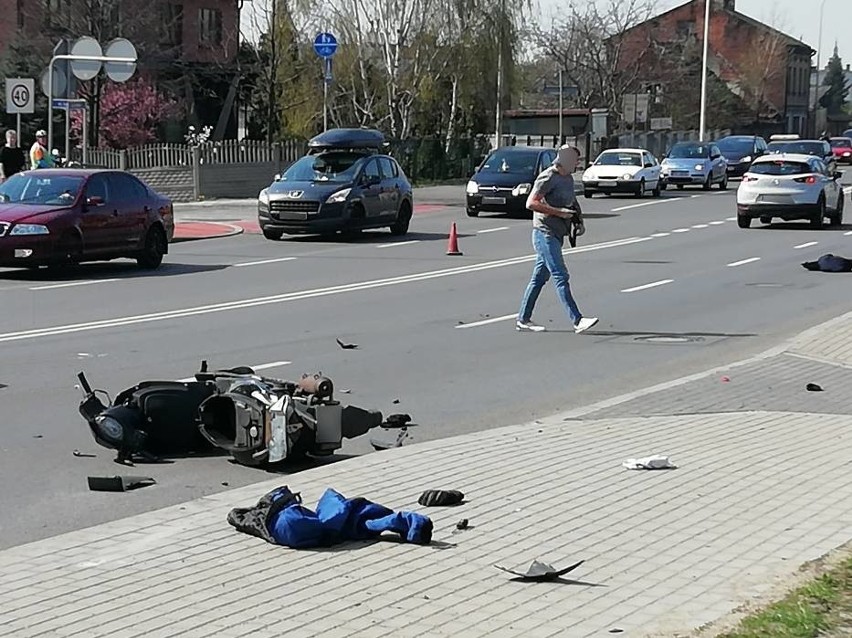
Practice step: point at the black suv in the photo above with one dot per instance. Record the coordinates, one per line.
(740, 151)
(344, 183)
(503, 181)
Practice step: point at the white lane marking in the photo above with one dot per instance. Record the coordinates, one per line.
(654, 284)
(485, 322)
(730, 219)
(399, 243)
(491, 230)
(717, 223)
(680, 230)
(660, 234)
(806, 244)
(694, 196)
(667, 200)
(849, 233)
(262, 366)
(264, 261)
(73, 283)
(242, 304)
(701, 226)
(743, 261)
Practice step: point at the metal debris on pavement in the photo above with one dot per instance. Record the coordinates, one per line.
(78, 453)
(347, 346)
(541, 571)
(656, 462)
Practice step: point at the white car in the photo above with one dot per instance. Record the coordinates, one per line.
(623, 170)
(790, 186)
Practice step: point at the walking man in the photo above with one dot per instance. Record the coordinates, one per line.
(39, 157)
(11, 157)
(554, 204)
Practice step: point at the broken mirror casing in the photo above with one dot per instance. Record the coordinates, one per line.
(256, 419)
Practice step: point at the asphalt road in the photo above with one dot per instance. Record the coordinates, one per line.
(677, 286)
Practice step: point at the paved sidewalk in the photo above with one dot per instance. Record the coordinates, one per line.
(758, 491)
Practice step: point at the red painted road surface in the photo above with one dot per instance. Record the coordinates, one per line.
(188, 231)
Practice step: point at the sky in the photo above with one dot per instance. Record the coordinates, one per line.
(798, 18)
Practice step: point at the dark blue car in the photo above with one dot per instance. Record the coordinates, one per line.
(346, 183)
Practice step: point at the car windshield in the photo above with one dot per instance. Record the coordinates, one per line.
(736, 146)
(799, 148)
(619, 159)
(337, 166)
(37, 189)
(689, 151)
(841, 142)
(522, 162)
(780, 167)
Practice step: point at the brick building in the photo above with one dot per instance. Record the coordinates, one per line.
(188, 46)
(765, 73)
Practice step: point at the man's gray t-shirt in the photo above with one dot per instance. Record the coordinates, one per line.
(558, 191)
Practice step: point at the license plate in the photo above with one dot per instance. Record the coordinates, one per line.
(606, 183)
(774, 199)
(290, 216)
(493, 200)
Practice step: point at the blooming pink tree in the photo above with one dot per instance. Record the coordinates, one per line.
(130, 113)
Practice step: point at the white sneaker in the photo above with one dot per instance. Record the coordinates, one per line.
(529, 326)
(585, 323)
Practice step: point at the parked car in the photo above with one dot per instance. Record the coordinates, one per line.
(842, 149)
(695, 163)
(739, 152)
(796, 146)
(55, 216)
(344, 183)
(503, 181)
(623, 170)
(790, 186)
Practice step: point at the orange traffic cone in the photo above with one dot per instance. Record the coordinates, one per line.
(453, 243)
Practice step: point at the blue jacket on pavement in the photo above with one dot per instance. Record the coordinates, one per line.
(280, 518)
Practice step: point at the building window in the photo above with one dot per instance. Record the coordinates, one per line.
(172, 20)
(685, 28)
(210, 26)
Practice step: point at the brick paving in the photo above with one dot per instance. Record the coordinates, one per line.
(756, 493)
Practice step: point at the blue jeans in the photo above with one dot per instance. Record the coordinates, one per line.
(549, 262)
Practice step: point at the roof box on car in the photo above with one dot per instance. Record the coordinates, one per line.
(348, 138)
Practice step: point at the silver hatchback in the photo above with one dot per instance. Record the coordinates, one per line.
(695, 164)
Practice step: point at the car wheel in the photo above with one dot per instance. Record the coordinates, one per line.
(403, 220)
(819, 215)
(837, 218)
(155, 247)
(743, 221)
(274, 235)
(640, 191)
(69, 250)
(472, 212)
(657, 191)
(708, 184)
(724, 183)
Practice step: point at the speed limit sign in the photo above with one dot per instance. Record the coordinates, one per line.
(20, 95)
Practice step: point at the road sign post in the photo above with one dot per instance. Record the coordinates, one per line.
(325, 45)
(20, 98)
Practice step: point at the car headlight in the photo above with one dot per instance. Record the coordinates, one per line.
(339, 196)
(699, 167)
(747, 158)
(472, 188)
(627, 176)
(30, 229)
(521, 189)
(263, 201)
(846, 154)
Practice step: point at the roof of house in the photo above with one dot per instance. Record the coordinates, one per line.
(740, 16)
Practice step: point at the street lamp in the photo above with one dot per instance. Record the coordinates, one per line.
(704, 72)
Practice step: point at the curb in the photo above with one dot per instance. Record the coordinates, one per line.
(227, 230)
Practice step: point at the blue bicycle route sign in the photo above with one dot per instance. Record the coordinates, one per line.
(325, 44)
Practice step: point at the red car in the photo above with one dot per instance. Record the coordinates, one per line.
(67, 216)
(842, 149)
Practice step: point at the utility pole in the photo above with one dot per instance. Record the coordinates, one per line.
(560, 105)
(501, 17)
(703, 118)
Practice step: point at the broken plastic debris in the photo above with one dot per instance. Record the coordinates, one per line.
(118, 483)
(541, 571)
(463, 524)
(84, 454)
(813, 387)
(656, 462)
(432, 498)
(347, 346)
(725, 379)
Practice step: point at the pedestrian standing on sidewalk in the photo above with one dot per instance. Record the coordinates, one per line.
(554, 204)
(12, 158)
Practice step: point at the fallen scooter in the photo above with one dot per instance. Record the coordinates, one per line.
(258, 420)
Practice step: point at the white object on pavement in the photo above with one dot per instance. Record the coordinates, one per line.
(656, 462)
